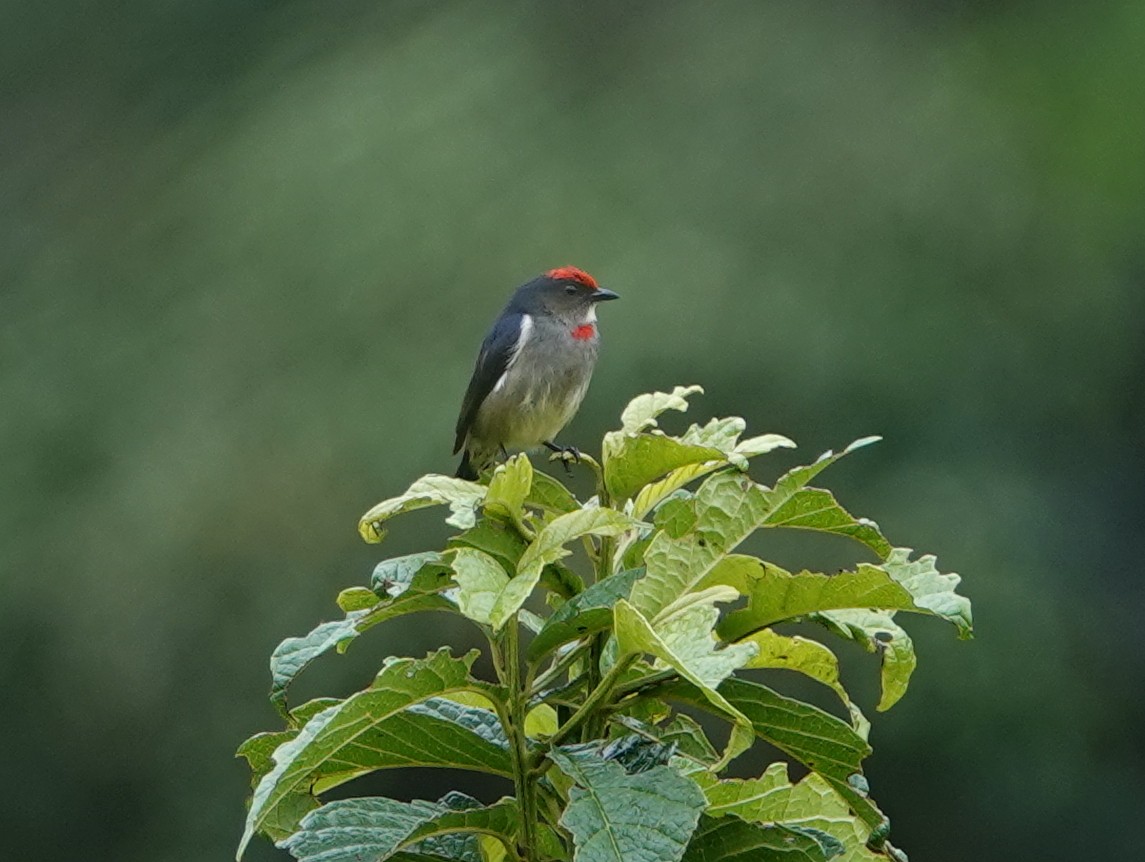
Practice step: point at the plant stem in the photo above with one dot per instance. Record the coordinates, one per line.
(558, 668)
(590, 709)
(643, 684)
(519, 745)
(495, 655)
(593, 724)
(554, 807)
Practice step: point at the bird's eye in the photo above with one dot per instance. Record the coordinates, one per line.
(571, 289)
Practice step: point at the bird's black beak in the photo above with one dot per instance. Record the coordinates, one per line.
(601, 294)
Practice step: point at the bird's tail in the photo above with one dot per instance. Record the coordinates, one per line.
(476, 458)
(466, 469)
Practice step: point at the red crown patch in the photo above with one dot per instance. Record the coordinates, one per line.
(571, 273)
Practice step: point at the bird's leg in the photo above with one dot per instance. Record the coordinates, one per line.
(564, 453)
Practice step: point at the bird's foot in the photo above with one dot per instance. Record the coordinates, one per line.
(564, 454)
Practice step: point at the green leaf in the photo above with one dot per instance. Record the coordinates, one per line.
(258, 750)
(463, 846)
(548, 494)
(420, 593)
(638, 453)
(792, 504)
(676, 516)
(877, 631)
(723, 434)
(375, 828)
(730, 839)
(259, 753)
(561, 580)
(617, 817)
(654, 493)
(682, 733)
(548, 547)
(499, 540)
(631, 462)
(681, 637)
(932, 590)
(531, 621)
(720, 434)
(762, 444)
(356, 599)
(480, 580)
(293, 654)
(751, 799)
(810, 658)
(775, 595)
(689, 738)
(284, 820)
(897, 584)
(635, 752)
(646, 710)
(492, 850)
(729, 507)
(487, 594)
(589, 612)
(461, 496)
(642, 410)
(437, 732)
(373, 729)
(810, 804)
(392, 577)
(818, 740)
(541, 721)
(508, 489)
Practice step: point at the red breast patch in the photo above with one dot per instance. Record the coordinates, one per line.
(584, 332)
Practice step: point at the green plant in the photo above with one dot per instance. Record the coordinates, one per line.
(583, 714)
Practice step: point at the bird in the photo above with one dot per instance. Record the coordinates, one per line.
(532, 371)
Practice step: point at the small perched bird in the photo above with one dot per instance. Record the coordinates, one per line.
(533, 369)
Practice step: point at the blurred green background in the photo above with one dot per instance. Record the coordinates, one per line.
(248, 251)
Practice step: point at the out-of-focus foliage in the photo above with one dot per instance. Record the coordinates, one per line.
(247, 252)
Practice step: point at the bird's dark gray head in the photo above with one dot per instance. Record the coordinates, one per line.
(565, 292)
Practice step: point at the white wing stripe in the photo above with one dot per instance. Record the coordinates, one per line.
(522, 338)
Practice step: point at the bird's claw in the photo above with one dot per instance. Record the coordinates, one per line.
(565, 454)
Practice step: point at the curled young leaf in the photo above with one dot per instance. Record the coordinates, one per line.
(876, 631)
(509, 487)
(460, 495)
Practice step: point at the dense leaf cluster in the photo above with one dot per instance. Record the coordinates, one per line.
(583, 713)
